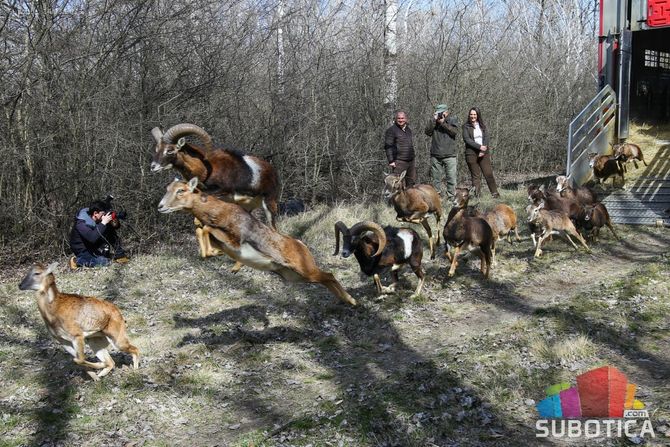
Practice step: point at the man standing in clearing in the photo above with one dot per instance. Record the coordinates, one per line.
(399, 147)
(442, 128)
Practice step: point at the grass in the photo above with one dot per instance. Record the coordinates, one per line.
(646, 137)
(325, 376)
(253, 439)
(247, 360)
(568, 349)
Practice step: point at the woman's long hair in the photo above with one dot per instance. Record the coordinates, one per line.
(479, 117)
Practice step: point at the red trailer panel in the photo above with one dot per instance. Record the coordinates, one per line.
(658, 13)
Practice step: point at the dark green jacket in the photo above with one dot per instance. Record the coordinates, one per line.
(443, 137)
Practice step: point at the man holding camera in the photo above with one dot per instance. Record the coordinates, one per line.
(399, 148)
(442, 128)
(93, 238)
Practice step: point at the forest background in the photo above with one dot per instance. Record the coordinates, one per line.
(304, 84)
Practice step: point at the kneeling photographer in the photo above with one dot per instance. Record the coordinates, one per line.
(94, 239)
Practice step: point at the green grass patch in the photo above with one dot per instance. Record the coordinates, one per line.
(137, 293)
(10, 422)
(132, 380)
(420, 298)
(101, 388)
(649, 316)
(51, 416)
(328, 343)
(16, 442)
(304, 423)
(365, 345)
(193, 381)
(325, 376)
(255, 438)
(258, 355)
(368, 417)
(5, 354)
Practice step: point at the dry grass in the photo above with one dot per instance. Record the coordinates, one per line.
(245, 359)
(569, 349)
(650, 139)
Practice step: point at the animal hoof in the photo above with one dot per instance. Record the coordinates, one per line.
(93, 375)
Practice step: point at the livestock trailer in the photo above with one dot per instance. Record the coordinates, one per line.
(634, 59)
(634, 81)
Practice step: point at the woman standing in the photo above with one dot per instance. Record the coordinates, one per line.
(477, 154)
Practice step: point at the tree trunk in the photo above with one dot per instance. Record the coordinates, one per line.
(390, 54)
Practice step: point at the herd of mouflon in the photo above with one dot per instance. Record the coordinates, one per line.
(223, 186)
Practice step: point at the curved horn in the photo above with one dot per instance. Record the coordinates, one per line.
(375, 228)
(340, 227)
(180, 130)
(158, 135)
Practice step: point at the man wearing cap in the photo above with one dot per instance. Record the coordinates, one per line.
(442, 128)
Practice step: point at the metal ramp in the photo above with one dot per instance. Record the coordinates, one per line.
(590, 131)
(647, 200)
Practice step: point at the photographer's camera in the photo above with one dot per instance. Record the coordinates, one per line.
(107, 206)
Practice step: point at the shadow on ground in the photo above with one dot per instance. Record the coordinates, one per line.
(389, 393)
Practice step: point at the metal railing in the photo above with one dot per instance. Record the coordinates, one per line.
(590, 131)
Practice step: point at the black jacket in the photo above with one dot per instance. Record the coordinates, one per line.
(86, 234)
(443, 141)
(399, 144)
(469, 138)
